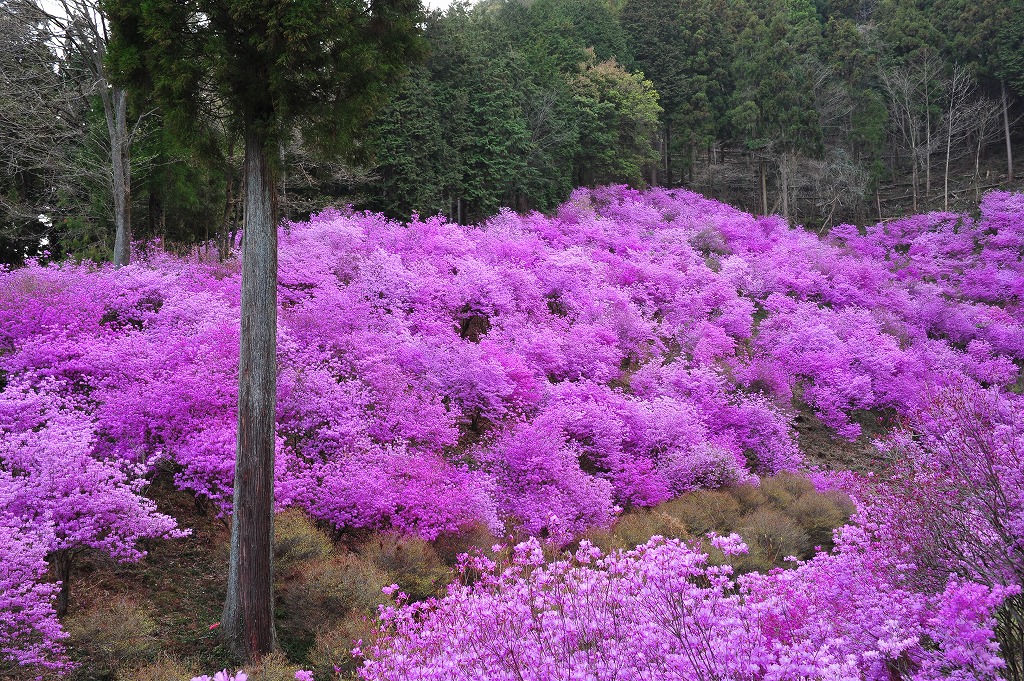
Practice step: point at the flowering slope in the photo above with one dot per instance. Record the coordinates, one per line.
(662, 611)
(535, 371)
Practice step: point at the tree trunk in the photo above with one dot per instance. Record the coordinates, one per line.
(668, 156)
(115, 108)
(927, 147)
(764, 188)
(62, 570)
(977, 167)
(915, 181)
(949, 146)
(223, 250)
(248, 617)
(784, 178)
(1006, 130)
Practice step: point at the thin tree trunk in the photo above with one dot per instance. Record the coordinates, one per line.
(223, 250)
(949, 146)
(784, 178)
(914, 173)
(1006, 130)
(668, 156)
(977, 168)
(764, 188)
(878, 203)
(115, 108)
(927, 146)
(62, 570)
(248, 617)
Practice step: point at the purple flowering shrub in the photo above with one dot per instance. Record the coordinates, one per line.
(954, 498)
(534, 373)
(30, 633)
(664, 611)
(59, 497)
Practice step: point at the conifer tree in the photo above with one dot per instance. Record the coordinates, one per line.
(266, 66)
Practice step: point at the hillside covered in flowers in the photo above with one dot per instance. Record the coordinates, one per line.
(539, 376)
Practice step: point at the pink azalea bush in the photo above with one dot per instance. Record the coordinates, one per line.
(954, 499)
(58, 497)
(30, 633)
(664, 611)
(533, 373)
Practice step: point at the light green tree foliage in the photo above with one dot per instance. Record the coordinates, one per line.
(618, 113)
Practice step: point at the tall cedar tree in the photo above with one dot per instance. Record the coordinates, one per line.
(266, 66)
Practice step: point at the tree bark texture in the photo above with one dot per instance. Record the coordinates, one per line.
(248, 617)
(668, 155)
(1006, 130)
(764, 187)
(62, 570)
(784, 167)
(116, 111)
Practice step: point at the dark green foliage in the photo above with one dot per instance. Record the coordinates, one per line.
(1010, 46)
(265, 65)
(685, 50)
(500, 115)
(773, 105)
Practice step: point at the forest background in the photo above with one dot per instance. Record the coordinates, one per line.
(823, 111)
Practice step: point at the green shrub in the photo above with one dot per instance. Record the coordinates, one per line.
(785, 488)
(639, 525)
(749, 497)
(450, 546)
(819, 514)
(773, 536)
(333, 647)
(323, 593)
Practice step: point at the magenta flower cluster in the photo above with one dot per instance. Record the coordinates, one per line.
(662, 611)
(533, 372)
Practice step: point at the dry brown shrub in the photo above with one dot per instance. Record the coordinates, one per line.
(704, 511)
(298, 539)
(113, 632)
(164, 668)
(412, 562)
(273, 667)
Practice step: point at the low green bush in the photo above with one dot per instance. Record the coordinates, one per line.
(298, 539)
